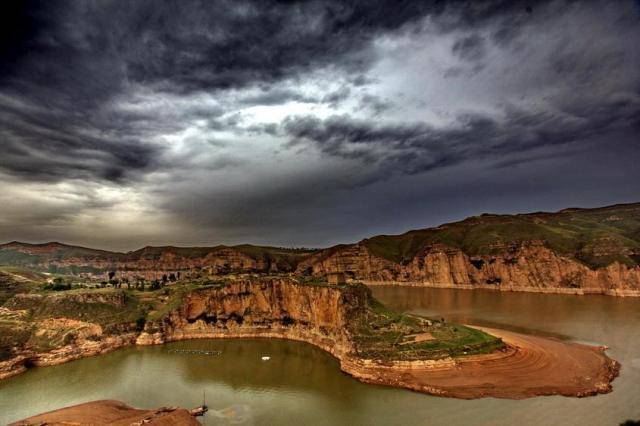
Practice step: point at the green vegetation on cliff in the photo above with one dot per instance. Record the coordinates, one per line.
(596, 237)
(388, 335)
(24, 317)
(14, 281)
(62, 258)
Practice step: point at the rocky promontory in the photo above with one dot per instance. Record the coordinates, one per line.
(528, 267)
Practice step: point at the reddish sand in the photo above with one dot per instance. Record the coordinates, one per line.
(111, 413)
(530, 366)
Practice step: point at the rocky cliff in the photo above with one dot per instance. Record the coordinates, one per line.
(523, 267)
(318, 314)
(52, 328)
(151, 262)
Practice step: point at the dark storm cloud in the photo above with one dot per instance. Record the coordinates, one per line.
(505, 17)
(41, 143)
(62, 63)
(337, 96)
(321, 208)
(202, 45)
(416, 148)
(275, 96)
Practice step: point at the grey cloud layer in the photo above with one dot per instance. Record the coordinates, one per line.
(271, 122)
(62, 64)
(62, 67)
(416, 148)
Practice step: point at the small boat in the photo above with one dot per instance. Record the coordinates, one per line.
(199, 411)
(266, 358)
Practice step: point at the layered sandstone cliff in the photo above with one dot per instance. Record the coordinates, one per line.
(318, 314)
(524, 267)
(151, 262)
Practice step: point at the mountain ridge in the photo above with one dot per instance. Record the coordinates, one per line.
(573, 250)
(635, 205)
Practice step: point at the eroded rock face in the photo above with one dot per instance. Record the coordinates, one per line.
(53, 336)
(85, 342)
(527, 267)
(149, 262)
(221, 260)
(268, 308)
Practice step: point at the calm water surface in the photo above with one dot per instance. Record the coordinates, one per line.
(302, 385)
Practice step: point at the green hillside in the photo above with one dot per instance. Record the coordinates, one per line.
(597, 237)
(41, 255)
(15, 280)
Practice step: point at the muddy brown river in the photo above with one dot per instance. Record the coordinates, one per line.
(300, 384)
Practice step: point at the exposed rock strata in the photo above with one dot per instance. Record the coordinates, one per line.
(279, 308)
(81, 348)
(527, 267)
(151, 262)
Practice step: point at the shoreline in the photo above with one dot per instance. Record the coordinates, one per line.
(110, 412)
(511, 289)
(529, 366)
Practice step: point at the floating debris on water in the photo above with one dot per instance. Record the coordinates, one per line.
(194, 352)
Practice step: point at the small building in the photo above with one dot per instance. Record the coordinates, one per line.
(336, 278)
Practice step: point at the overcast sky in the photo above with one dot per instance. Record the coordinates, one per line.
(127, 123)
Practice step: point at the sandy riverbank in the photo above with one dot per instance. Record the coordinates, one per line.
(110, 412)
(530, 366)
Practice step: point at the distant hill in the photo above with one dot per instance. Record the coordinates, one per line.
(574, 249)
(82, 259)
